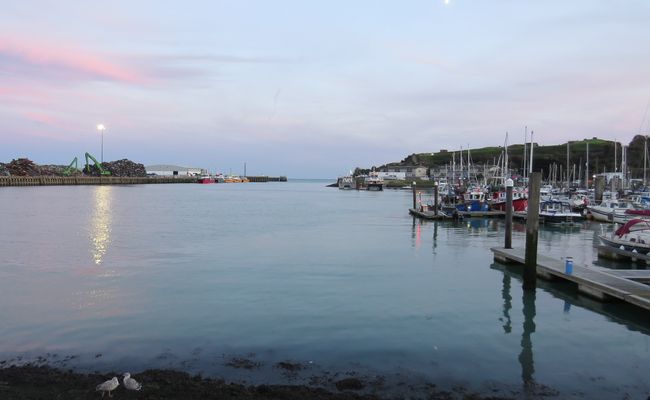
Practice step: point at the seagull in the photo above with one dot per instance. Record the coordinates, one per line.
(131, 383)
(108, 386)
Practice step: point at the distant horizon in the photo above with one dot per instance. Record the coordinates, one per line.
(236, 172)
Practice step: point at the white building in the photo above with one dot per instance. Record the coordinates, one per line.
(174, 170)
(387, 176)
(409, 171)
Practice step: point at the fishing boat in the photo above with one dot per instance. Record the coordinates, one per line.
(474, 200)
(206, 179)
(558, 212)
(519, 201)
(232, 179)
(633, 236)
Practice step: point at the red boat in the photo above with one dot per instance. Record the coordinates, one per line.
(519, 201)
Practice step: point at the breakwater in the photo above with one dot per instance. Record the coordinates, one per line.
(266, 178)
(88, 180)
(111, 180)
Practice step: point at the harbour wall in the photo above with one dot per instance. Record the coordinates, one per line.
(109, 180)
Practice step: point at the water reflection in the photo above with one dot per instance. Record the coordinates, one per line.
(100, 234)
(507, 304)
(526, 355)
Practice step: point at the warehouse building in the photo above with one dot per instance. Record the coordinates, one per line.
(174, 170)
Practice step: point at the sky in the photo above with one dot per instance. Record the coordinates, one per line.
(312, 89)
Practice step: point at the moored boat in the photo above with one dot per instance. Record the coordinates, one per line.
(206, 179)
(519, 201)
(558, 212)
(611, 211)
(634, 235)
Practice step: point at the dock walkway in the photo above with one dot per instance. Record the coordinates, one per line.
(601, 283)
(430, 214)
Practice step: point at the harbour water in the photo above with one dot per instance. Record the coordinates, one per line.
(190, 276)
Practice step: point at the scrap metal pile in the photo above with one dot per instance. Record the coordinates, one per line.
(125, 167)
(26, 167)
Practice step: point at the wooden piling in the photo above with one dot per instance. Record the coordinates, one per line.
(508, 241)
(414, 199)
(435, 199)
(599, 188)
(532, 227)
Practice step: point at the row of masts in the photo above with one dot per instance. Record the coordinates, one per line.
(558, 174)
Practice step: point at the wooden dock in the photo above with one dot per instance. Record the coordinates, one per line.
(601, 283)
(426, 213)
(614, 253)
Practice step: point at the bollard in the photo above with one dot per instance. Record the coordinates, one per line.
(568, 265)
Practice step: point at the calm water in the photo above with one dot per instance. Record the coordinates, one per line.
(185, 276)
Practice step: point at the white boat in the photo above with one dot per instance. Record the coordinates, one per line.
(611, 211)
(633, 236)
(558, 212)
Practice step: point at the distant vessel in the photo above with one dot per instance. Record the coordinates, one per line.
(206, 179)
(374, 182)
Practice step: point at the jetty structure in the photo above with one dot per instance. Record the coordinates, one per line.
(601, 283)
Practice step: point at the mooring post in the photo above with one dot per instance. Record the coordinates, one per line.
(435, 199)
(532, 227)
(414, 202)
(599, 188)
(509, 185)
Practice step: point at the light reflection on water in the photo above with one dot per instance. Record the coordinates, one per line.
(100, 234)
(177, 275)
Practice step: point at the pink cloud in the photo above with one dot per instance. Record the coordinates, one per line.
(47, 58)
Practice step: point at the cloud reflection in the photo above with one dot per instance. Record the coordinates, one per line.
(100, 234)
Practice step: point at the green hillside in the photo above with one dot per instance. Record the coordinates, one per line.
(601, 156)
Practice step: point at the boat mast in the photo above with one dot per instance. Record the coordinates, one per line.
(567, 164)
(587, 168)
(525, 139)
(462, 172)
(505, 162)
(645, 158)
(531, 152)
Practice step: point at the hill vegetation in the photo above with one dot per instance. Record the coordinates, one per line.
(601, 156)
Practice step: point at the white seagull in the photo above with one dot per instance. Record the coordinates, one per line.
(108, 386)
(131, 383)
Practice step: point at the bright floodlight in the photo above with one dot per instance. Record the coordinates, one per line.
(101, 127)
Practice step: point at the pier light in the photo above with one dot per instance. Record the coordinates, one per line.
(101, 128)
(509, 183)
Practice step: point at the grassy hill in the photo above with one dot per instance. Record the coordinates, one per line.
(601, 156)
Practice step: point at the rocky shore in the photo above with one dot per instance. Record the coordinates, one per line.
(43, 382)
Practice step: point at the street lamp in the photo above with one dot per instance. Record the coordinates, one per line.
(101, 128)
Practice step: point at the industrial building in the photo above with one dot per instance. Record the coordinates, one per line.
(174, 170)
